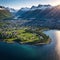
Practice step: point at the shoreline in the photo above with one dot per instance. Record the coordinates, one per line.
(36, 44)
(42, 41)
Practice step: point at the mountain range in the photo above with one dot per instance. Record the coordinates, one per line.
(41, 15)
(6, 12)
(40, 12)
(35, 12)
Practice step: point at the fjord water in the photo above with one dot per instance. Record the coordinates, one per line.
(16, 51)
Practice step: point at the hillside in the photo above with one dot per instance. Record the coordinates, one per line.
(4, 13)
(42, 12)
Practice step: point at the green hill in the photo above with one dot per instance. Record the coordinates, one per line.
(4, 14)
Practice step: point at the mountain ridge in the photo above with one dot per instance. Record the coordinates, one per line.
(4, 13)
(37, 13)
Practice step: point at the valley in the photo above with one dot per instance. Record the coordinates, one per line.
(29, 30)
(26, 25)
(14, 31)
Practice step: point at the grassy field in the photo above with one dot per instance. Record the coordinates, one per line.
(24, 35)
(21, 36)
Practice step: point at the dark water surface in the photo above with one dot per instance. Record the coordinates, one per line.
(29, 52)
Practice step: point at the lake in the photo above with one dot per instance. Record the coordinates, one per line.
(16, 51)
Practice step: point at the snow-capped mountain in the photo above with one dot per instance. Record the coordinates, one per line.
(33, 8)
(25, 9)
(43, 11)
(7, 8)
(2, 8)
(11, 9)
(42, 7)
(21, 11)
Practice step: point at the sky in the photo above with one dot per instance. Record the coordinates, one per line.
(17, 4)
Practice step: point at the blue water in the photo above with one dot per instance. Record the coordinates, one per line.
(16, 51)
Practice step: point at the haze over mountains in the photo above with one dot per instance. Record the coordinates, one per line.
(40, 11)
(41, 15)
(35, 12)
(33, 9)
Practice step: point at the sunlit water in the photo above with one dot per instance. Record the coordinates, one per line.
(55, 37)
(57, 33)
(28, 52)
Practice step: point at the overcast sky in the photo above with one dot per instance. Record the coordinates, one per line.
(17, 4)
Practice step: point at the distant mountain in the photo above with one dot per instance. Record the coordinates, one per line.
(34, 11)
(11, 9)
(25, 9)
(49, 17)
(42, 11)
(21, 11)
(4, 13)
(42, 7)
(54, 13)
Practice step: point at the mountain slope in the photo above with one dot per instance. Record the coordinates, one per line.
(4, 13)
(33, 12)
(21, 11)
(42, 11)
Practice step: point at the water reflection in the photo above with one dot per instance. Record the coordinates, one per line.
(55, 36)
(57, 48)
(28, 52)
